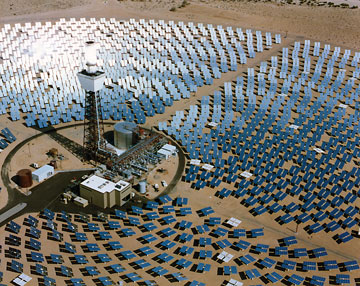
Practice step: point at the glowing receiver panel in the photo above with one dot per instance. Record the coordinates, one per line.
(91, 79)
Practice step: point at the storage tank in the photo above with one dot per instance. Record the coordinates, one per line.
(124, 134)
(142, 185)
(25, 178)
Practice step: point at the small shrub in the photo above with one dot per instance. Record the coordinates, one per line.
(184, 3)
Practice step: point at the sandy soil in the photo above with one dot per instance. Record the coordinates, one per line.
(331, 25)
(328, 25)
(36, 151)
(169, 167)
(197, 200)
(21, 132)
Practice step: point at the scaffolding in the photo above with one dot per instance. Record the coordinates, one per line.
(93, 141)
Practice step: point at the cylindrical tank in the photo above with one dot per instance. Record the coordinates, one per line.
(124, 134)
(25, 178)
(142, 185)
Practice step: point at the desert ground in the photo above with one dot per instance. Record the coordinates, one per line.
(336, 26)
(331, 25)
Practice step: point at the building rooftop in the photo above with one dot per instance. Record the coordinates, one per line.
(169, 147)
(102, 185)
(164, 152)
(43, 169)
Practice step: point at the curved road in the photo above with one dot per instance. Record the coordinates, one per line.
(15, 196)
(179, 170)
(47, 192)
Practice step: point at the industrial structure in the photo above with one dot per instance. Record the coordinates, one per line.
(125, 134)
(131, 144)
(142, 186)
(105, 193)
(290, 159)
(43, 173)
(92, 81)
(24, 178)
(166, 151)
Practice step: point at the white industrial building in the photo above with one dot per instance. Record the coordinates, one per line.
(171, 148)
(104, 193)
(167, 151)
(43, 173)
(164, 153)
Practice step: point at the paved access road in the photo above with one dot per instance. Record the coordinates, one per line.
(41, 196)
(11, 212)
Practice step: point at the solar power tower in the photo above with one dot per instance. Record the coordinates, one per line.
(92, 80)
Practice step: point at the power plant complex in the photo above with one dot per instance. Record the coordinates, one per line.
(200, 155)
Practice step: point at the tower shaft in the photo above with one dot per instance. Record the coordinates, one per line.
(93, 127)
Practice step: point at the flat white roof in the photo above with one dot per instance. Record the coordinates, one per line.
(343, 105)
(234, 221)
(169, 147)
(80, 200)
(164, 152)
(207, 167)
(294, 126)
(43, 169)
(246, 174)
(120, 185)
(195, 162)
(213, 124)
(318, 150)
(22, 279)
(25, 277)
(102, 185)
(18, 281)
